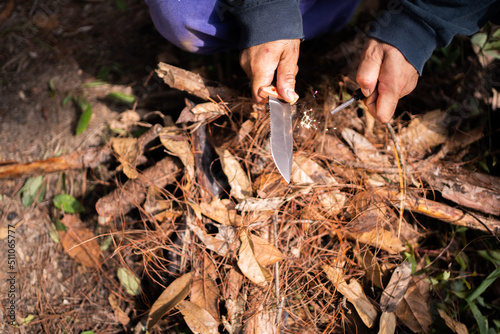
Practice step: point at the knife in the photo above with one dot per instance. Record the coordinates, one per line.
(281, 131)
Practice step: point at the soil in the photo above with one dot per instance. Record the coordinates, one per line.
(52, 49)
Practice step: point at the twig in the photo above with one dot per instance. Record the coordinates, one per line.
(276, 273)
(402, 176)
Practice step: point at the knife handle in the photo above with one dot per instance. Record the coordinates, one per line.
(265, 92)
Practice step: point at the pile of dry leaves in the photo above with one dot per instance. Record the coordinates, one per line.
(209, 234)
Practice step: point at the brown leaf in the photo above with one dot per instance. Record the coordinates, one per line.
(220, 243)
(455, 326)
(371, 266)
(425, 132)
(363, 148)
(387, 323)
(265, 253)
(120, 316)
(200, 112)
(269, 185)
(235, 302)
(128, 150)
(79, 242)
(241, 187)
(222, 211)
(204, 291)
(180, 147)
(260, 204)
(198, 319)
(263, 321)
(249, 265)
(169, 298)
(396, 289)
(380, 239)
(354, 294)
(413, 310)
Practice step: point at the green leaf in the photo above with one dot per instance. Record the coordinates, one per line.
(31, 190)
(130, 282)
(52, 90)
(94, 83)
(67, 99)
(84, 120)
(491, 255)
(28, 319)
(482, 322)
(492, 277)
(67, 203)
(59, 225)
(54, 234)
(87, 332)
(106, 242)
(121, 97)
(479, 39)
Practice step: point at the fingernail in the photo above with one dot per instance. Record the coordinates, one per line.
(291, 95)
(366, 92)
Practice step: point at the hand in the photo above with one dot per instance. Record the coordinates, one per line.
(384, 65)
(261, 61)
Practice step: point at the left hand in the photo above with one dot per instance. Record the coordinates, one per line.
(384, 76)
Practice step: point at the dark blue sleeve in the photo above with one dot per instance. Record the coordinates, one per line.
(418, 27)
(263, 21)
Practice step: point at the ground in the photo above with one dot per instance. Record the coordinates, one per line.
(55, 49)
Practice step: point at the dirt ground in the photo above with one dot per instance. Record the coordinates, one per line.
(49, 49)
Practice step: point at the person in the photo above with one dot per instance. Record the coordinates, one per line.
(269, 33)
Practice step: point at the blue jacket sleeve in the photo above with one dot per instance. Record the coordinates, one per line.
(418, 27)
(263, 21)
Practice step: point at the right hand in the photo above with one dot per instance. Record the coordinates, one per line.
(261, 61)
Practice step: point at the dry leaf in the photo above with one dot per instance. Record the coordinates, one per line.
(413, 310)
(380, 239)
(245, 130)
(198, 113)
(220, 243)
(260, 204)
(204, 291)
(269, 185)
(265, 253)
(425, 132)
(222, 211)
(455, 326)
(249, 265)
(387, 323)
(128, 150)
(396, 289)
(169, 298)
(79, 242)
(241, 187)
(235, 302)
(198, 319)
(354, 294)
(363, 148)
(370, 265)
(179, 146)
(120, 316)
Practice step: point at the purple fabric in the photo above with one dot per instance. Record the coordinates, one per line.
(207, 26)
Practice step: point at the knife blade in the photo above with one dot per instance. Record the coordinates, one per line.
(281, 136)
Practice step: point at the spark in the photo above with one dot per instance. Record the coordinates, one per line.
(308, 121)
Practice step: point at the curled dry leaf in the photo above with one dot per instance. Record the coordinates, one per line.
(248, 263)
(204, 291)
(241, 187)
(120, 316)
(222, 211)
(260, 204)
(307, 171)
(265, 253)
(198, 319)
(128, 150)
(220, 243)
(200, 112)
(413, 310)
(455, 326)
(425, 132)
(354, 294)
(363, 148)
(387, 323)
(179, 146)
(170, 297)
(79, 242)
(396, 289)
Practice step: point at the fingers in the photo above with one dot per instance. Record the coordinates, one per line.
(260, 62)
(385, 71)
